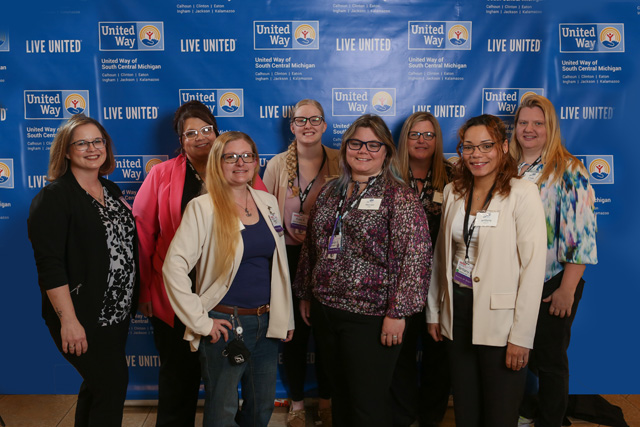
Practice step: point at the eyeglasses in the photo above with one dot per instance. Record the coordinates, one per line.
(314, 120)
(427, 136)
(485, 147)
(82, 145)
(372, 146)
(205, 131)
(233, 157)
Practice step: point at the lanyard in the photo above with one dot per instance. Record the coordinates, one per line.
(194, 171)
(343, 215)
(531, 166)
(303, 195)
(467, 231)
(414, 185)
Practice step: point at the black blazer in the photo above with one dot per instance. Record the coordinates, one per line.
(70, 247)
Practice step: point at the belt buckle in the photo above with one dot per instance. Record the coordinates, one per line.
(262, 309)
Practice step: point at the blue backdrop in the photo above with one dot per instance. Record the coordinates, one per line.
(131, 64)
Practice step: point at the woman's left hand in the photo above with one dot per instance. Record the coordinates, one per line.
(392, 330)
(289, 336)
(517, 357)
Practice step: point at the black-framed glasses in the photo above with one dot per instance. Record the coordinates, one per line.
(314, 120)
(204, 131)
(427, 136)
(485, 147)
(372, 146)
(233, 157)
(83, 145)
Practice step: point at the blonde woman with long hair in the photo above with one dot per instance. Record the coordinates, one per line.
(568, 201)
(296, 177)
(233, 236)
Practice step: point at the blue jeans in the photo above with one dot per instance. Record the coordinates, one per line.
(257, 376)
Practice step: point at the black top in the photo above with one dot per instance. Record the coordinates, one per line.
(70, 247)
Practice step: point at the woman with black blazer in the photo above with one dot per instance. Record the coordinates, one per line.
(83, 238)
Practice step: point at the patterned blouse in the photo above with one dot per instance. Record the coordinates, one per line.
(384, 265)
(570, 217)
(119, 231)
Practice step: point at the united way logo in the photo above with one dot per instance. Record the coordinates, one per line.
(382, 102)
(6, 173)
(356, 102)
(600, 169)
(151, 163)
(503, 102)
(55, 104)
(221, 102)
(591, 38)
(75, 103)
(150, 35)
(134, 169)
(439, 35)
(120, 36)
(285, 35)
(4, 42)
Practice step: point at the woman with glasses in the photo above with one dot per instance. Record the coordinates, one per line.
(295, 177)
(241, 305)
(568, 201)
(487, 276)
(363, 268)
(83, 237)
(423, 166)
(158, 210)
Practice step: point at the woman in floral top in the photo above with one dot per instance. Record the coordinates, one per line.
(423, 166)
(568, 200)
(364, 266)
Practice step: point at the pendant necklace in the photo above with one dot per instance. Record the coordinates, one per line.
(246, 204)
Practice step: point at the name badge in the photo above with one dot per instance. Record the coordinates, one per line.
(438, 197)
(462, 275)
(335, 246)
(299, 223)
(531, 176)
(487, 219)
(275, 222)
(370, 204)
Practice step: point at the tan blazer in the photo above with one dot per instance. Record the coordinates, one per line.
(276, 176)
(509, 271)
(194, 245)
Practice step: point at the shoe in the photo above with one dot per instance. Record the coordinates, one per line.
(325, 417)
(525, 422)
(296, 418)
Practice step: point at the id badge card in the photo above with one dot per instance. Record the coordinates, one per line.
(276, 224)
(486, 218)
(299, 222)
(335, 246)
(462, 275)
(370, 204)
(438, 197)
(531, 176)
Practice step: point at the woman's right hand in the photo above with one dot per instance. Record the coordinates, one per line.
(220, 328)
(434, 331)
(305, 311)
(146, 308)
(74, 339)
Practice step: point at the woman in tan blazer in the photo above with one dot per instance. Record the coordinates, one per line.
(487, 276)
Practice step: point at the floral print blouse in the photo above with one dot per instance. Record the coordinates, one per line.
(570, 217)
(384, 265)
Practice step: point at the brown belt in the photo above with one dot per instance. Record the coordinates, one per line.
(227, 309)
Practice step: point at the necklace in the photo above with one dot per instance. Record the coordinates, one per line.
(99, 197)
(246, 204)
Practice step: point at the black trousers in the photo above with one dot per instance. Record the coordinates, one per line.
(360, 367)
(427, 399)
(485, 392)
(549, 361)
(105, 376)
(179, 376)
(294, 352)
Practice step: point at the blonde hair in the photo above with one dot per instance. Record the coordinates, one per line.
(58, 161)
(555, 157)
(292, 149)
(439, 176)
(225, 226)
